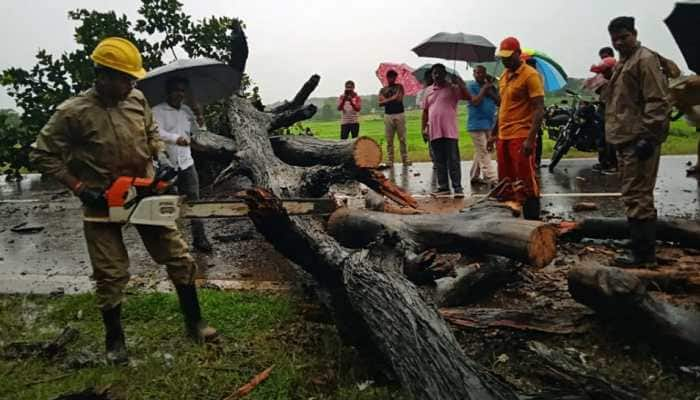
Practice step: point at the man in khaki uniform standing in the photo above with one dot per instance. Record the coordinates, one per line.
(637, 123)
(93, 138)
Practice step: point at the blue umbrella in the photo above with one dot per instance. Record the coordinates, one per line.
(553, 76)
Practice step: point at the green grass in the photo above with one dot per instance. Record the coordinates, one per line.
(258, 331)
(683, 139)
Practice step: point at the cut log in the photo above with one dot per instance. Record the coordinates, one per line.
(474, 281)
(622, 297)
(486, 228)
(564, 371)
(683, 231)
(305, 151)
(523, 320)
(302, 151)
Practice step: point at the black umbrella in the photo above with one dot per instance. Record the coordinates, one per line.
(209, 80)
(457, 47)
(683, 24)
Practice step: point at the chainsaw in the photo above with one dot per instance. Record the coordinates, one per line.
(144, 201)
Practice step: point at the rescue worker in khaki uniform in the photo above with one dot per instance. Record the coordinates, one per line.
(637, 123)
(93, 138)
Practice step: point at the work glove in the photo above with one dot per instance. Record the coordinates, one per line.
(93, 198)
(643, 149)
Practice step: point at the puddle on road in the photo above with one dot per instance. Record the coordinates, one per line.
(56, 259)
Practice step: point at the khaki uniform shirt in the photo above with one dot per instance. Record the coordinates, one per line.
(97, 144)
(636, 100)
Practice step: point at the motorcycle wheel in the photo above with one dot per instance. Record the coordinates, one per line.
(561, 147)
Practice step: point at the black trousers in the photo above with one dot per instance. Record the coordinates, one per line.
(446, 161)
(349, 129)
(188, 185)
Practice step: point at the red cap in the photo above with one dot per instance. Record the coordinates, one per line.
(507, 47)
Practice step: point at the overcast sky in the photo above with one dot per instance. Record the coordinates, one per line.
(340, 40)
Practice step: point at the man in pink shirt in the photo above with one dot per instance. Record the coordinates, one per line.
(349, 105)
(440, 114)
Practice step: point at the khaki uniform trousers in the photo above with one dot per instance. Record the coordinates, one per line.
(481, 165)
(110, 260)
(638, 180)
(395, 124)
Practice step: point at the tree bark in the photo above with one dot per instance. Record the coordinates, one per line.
(486, 228)
(682, 231)
(622, 297)
(524, 320)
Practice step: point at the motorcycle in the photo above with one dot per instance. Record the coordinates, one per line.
(582, 131)
(556, 117)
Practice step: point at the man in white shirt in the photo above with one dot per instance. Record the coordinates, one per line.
(175, 122)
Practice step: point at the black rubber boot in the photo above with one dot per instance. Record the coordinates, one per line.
(196, 327)
(532, 208)
(199, 237)
(115, 344)
(642, 252)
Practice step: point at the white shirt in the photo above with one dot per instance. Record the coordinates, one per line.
(172, 124)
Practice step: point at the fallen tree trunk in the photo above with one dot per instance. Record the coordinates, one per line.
(383, 309)
(622, 297)
(374, 306)
(682, 231)
(486, 228)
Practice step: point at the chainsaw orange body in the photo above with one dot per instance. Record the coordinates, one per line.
(119, 191)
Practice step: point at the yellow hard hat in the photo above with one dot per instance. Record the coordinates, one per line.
(119, 54)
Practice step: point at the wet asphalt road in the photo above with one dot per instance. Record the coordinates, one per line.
(56, 258)
(573, 181)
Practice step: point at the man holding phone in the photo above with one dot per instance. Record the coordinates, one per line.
(349, 105)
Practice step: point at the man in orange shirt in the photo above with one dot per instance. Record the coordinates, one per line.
(515, 134)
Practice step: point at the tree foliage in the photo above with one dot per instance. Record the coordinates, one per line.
(161, 29)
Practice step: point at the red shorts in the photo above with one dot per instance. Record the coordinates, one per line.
(518, 167)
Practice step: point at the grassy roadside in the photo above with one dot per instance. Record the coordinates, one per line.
(683, 138)
(259, 330)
